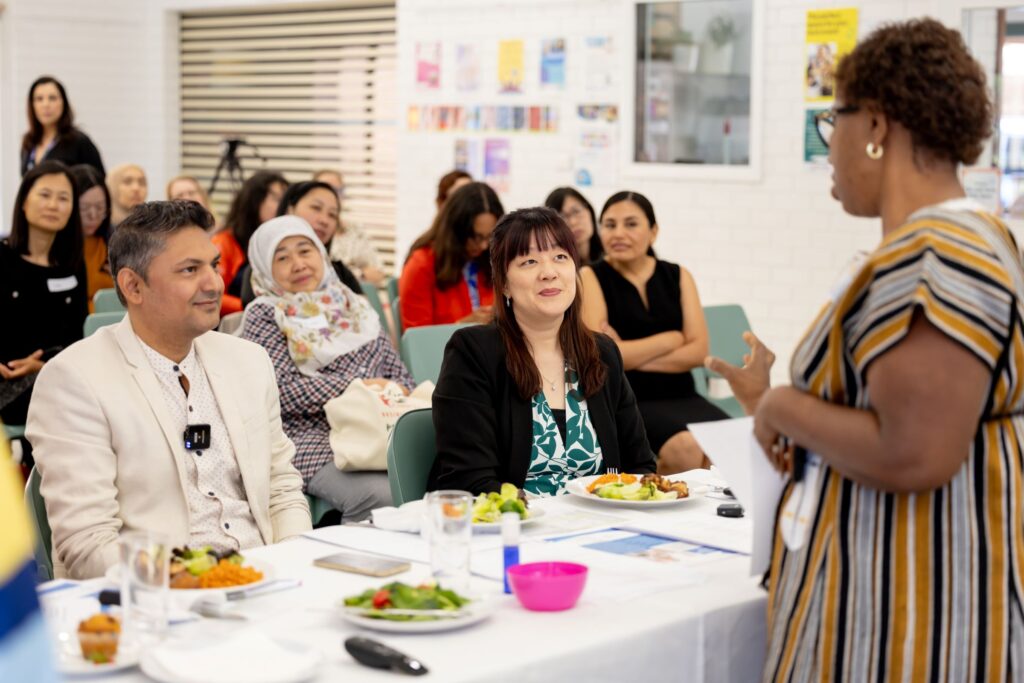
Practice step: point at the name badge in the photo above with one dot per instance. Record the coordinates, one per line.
(317, 322)
(62, 284)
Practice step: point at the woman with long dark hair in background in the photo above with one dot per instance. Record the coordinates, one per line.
(52, 135)
(94, 208)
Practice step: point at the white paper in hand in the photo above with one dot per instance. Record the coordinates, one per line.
(731, 446)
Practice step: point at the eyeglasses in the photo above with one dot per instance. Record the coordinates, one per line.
(825, 121)
(570, 216)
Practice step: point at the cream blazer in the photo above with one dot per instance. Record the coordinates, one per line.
(111, 460)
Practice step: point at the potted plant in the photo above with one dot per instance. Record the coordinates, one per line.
(716, 57)
(685, 52)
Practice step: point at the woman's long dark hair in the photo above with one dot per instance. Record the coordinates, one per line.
(453, 227)
(294, 194)
(512, 238)
(66, 250)
(87, 177)
(65, 124)
(643, 202)
(244, 214)
(556, 201)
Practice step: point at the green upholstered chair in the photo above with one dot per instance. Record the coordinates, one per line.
(411, 453)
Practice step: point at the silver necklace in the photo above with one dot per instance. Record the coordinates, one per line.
(549, 382)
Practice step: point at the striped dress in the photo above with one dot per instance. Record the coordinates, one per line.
(925, 586)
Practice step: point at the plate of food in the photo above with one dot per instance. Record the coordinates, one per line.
(399, 607)
(96, 651)
(489, 507)
(204, 571)
(634, 490)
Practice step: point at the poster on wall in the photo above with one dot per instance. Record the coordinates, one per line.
(831, 34)
(552, 63)
(510, 66)
(595, 160)
(599, 61)
(815, 150)
(467, 67)
(428, 66)
(982, 185)
(469, 157)
(497, 163)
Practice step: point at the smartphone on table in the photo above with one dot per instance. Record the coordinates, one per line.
(357, 563)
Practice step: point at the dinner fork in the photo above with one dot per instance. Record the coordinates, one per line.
(613, 470)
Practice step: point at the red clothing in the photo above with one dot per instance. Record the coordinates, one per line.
(422, 303)
(232, 260)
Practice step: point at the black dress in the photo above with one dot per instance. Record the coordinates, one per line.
(71, 149)
(42, 308)
(668, 401)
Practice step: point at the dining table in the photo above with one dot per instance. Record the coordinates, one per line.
(669, 597)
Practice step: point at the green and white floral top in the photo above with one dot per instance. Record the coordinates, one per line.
(552, 462)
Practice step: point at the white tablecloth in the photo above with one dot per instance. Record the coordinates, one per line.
(709, 626)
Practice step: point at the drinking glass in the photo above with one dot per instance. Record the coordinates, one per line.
(449, 518)
(145, 592)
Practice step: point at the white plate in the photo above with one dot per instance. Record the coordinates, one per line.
(495, 527)
(153, 668)
(70, 661)
(114, 575)
(578, 487)
(475, 612)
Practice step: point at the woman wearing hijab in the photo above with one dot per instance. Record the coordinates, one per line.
(321, 336)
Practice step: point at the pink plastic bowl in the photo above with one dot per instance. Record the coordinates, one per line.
(547, 586)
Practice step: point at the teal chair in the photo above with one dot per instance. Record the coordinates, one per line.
(391, 285)
(411, 453)
(97, 320)
(318, 507)
(106, 301)
(422, 350)
(726, 325)
(14, 431)
(373, 296)
(396, 315)
(37, 513)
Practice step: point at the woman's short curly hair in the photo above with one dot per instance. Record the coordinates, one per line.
(920, 74)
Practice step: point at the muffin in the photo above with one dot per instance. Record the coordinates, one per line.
(98, 636)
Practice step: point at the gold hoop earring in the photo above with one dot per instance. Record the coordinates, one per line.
(874, 151)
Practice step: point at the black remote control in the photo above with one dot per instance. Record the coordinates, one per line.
(380, 656)
(730, 510)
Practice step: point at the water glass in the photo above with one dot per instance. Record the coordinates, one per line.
(449, 521)
(145, 590)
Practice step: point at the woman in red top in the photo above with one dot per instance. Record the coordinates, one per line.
(255, 204)
(447, 276)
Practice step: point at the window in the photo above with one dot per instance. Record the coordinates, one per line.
(693, 83)
(308, 89)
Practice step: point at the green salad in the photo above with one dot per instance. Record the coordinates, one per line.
(488, 507)
(634, 491)
(401, 596)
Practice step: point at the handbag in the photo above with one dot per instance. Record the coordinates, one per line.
(362, 418)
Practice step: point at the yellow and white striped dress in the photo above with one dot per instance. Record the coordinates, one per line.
(926, 586)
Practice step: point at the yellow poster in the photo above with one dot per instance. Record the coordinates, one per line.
(510, 66)
(831, 34)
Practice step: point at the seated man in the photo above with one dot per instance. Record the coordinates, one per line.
(158, 423)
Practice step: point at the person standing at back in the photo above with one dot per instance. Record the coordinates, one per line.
(52, 135)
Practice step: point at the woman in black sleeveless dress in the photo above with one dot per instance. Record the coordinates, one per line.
(652, 311)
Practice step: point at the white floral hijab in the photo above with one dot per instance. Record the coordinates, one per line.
(320, 325)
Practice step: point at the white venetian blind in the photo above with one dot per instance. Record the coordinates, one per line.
(311, 86)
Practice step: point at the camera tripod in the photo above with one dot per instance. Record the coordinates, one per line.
(230, 161)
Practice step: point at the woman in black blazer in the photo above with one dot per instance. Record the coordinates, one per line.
(534, 399)
(52, 135)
